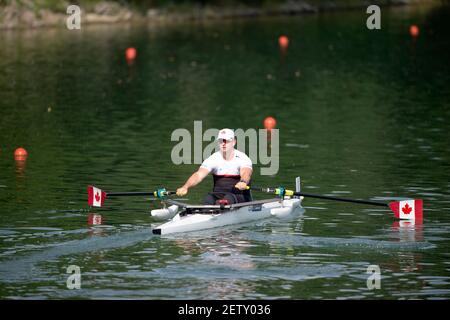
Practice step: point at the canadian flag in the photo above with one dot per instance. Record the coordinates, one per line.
(408, 209)
(96, 196)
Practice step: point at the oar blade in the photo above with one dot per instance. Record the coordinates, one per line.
(96, 196)
(411, 209)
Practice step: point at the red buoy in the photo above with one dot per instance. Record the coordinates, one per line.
(414, 31)
(283, 41)
(20, 154)
(270, 123)
(130, 53)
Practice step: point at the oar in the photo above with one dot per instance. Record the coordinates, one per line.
(409, 209)
(96, 196)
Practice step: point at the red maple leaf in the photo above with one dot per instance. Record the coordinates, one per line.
(406, 209)
(97, 197)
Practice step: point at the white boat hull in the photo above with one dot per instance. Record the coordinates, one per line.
(201, 221)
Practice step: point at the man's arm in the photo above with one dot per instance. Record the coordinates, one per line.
(193, 180)
(246, 175)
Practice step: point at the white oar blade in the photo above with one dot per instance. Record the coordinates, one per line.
(411, 209)
(96, 196)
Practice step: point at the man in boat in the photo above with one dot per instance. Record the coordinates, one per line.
(231, 169)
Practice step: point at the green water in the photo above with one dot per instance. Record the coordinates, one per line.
(361, 114)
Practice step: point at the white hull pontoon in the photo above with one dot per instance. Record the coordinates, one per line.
(199, 217)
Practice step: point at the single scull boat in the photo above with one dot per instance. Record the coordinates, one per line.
(185, 217)
(200, 217)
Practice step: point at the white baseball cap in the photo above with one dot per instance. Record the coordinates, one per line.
(226, 134)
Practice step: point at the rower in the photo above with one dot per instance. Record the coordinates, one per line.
(231, 170)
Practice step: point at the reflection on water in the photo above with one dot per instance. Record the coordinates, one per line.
(219, 263)
(408, 231)
(340, 243)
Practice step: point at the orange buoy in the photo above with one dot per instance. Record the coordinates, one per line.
(20, 154)
(270, 123)
(130, 53)
(414, 30)
(283, 41)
